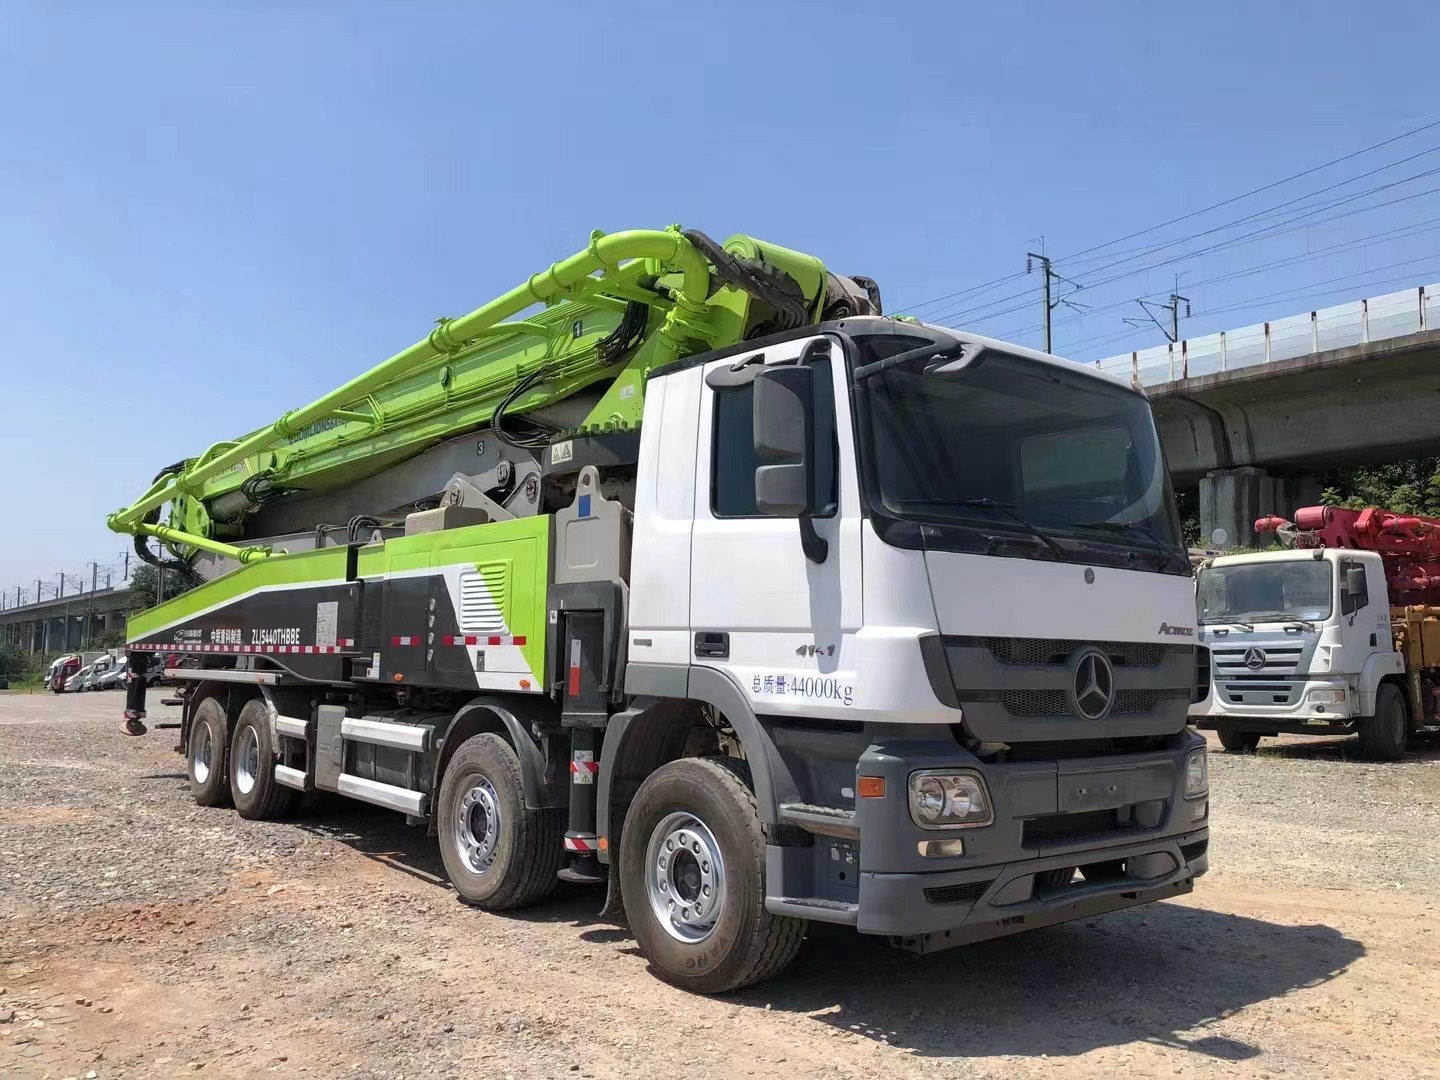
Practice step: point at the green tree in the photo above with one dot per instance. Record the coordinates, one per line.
(1407, 487)
(14, 661)
(145, 585)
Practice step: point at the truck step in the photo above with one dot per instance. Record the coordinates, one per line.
(582, 875)
(172, 701)
(822, 820)
(291, 778)
(386, 795)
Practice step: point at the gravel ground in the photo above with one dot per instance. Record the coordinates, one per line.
(143, 936)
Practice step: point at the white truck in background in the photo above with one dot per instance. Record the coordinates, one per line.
(1331, 635)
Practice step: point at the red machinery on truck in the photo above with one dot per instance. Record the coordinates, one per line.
(1408, 546)
(1338, 632)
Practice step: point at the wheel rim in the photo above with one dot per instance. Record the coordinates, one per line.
(1397, 720)
(478, 824)
(201, 755)
(685, 877)
(247, 761)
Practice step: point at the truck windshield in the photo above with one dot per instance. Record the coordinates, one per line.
(1075, 456)
(1274, 591)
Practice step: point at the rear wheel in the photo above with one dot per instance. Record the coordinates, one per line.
(209, 784)
(1383, 736)
(252, 766)
(498, 853)
(692, 869)
(1238, 742)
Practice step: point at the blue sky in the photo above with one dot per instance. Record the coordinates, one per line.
(210, 213)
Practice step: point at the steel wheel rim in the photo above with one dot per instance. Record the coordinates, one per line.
(685, 877)
(478, 824)
(247, 761)
(1397, 720)
(200, 758)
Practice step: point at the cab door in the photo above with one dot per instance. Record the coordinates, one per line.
(780, 623)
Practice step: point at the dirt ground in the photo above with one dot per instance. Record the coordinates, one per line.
(141, 935)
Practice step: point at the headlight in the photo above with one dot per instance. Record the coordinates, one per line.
(948, 800)
(1325, 697)
(1197, 774)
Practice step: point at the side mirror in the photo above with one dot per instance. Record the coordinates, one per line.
(784, 407)
(1355, 581)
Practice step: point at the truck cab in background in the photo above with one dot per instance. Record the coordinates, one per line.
(1341, 633)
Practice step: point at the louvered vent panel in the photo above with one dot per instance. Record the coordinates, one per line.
(482, 598)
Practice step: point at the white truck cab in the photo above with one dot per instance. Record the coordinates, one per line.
(1299, 642)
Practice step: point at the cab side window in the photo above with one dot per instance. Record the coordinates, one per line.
(1354, 589)
(733, 460)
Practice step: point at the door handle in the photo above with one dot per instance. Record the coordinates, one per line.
(712, 643)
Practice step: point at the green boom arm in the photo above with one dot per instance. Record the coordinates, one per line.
(454, 379)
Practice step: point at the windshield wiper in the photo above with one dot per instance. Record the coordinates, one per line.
(1280, 616)
(1225, 617)
(1008, 509)
(1164, 550)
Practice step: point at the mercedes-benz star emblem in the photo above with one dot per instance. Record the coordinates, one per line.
(1092, 685)
(1255, 658)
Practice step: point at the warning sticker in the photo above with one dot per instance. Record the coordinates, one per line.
(327, 616)
(562, 451)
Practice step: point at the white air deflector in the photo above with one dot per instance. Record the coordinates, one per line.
(482, 598)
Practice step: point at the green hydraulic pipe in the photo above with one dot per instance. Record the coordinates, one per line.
(604, 254)
(175, 536)
(353, 414)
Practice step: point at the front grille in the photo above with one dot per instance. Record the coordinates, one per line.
(1202, 675)
(1034, 702)
(1195, 850)
(1073, 828)
(1129, 702)
(1278, 660)
(1031, 703)
(1258, 693)
(958, 894)
(1049, 652)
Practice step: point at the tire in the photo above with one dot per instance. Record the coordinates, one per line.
(1384, 735)
(205, 755)
(1237, 742)
(498, 854)
(729, 941)
(253, 788)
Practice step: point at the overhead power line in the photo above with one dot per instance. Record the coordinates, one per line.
(1404, 232)
(973, 292)
(1256, 191)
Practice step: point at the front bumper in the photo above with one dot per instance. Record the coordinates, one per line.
(1119, 824)
(1290, 704)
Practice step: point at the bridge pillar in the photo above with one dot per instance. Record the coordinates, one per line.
(1231, 499)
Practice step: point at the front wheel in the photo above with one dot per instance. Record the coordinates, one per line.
(692, 870)
(1383, 736)
(1237, 742)
(498, 853)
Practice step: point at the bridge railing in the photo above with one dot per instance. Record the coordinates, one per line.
(1357, 322)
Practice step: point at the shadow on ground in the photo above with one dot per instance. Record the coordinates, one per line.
(1162, 974)
(1423, 747)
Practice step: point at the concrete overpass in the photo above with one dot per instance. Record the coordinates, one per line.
(66, 623)
(1354, 385)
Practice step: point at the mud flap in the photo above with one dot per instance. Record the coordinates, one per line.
(613, 910)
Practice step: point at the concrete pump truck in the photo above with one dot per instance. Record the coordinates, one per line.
(682, 570)
(1335, 633)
